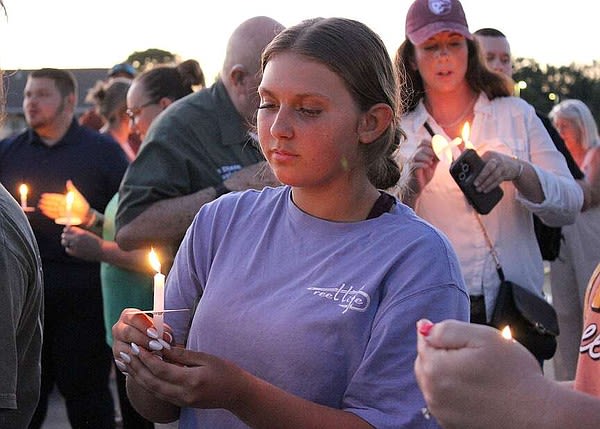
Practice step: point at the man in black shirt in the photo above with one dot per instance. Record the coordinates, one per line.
(54, 149)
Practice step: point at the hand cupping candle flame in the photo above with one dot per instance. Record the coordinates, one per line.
(448, 151)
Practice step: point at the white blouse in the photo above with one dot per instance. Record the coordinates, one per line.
(508, 125)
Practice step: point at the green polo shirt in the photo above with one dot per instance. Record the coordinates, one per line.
(197, 142)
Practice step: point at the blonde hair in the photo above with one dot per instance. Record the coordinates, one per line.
(577, 112)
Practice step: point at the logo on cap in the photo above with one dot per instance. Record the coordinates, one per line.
(440, 7)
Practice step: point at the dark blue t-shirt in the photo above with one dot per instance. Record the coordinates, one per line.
(94, 162)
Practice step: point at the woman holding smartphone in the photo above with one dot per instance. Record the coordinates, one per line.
(450, 85)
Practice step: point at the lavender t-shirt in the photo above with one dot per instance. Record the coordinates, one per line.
(324, 310)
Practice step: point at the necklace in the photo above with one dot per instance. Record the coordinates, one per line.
(460, 118)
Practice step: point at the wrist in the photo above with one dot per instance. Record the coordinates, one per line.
(520, 168)
(93, 219)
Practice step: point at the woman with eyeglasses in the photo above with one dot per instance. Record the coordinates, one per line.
(154, 90)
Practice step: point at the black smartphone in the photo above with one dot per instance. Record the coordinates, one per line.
(464, 170)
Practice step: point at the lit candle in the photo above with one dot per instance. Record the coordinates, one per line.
(23, 192)
(159, 294)
(506, 333)
(68, 219)
(69, 206)
(466, 133)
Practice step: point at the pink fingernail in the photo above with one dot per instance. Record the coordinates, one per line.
(425, 327)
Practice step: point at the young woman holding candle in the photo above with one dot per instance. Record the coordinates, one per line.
(449, 85)
(313, 324)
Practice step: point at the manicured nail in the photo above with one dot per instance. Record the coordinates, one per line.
(155, 345)
(164, 344)
(135, 349)
(169, 337)
(126, 358)
(425, 327)
(122, 367)
(152, 333)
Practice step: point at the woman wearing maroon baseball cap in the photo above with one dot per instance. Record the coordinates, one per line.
(448, 86)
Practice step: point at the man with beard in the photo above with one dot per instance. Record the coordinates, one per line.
(54, 149)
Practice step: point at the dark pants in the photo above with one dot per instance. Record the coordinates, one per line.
(75, 356)
(131, 418)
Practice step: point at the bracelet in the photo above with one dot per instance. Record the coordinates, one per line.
(520, 169)
(93, 220)
(221, 189)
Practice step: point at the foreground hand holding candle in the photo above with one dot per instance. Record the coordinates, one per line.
(159, 294)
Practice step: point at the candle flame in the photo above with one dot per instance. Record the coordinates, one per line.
(69, 200)
(23, 190)
(154, 262)
(466, 132)
(506, 333)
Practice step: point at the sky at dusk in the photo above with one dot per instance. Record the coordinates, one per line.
(86, 34)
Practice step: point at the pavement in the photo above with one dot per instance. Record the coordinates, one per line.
(57, 413)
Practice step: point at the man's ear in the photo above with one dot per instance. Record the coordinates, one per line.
(237, 74)
(374, 122)
(71, 101)
(164, 103)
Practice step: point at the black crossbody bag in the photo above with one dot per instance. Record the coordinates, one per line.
(532, 319)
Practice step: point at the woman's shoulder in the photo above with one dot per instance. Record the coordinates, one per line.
(248, 201)
(413, 228)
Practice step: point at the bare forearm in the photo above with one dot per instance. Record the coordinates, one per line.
(566, 408)
(265, 406)
(164, 222)
(149, 406)
(135, 260)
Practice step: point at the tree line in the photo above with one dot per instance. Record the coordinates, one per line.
(547, 85)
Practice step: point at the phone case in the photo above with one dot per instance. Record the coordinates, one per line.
(464, 170)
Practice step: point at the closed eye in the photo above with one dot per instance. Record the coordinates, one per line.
(310, 112)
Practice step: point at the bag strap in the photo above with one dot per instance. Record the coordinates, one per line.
(384, 204)
(428, 128)
(491, 246)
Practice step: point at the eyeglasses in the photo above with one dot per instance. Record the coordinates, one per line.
(135, 111)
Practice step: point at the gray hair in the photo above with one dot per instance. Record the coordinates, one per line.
(580, 115)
